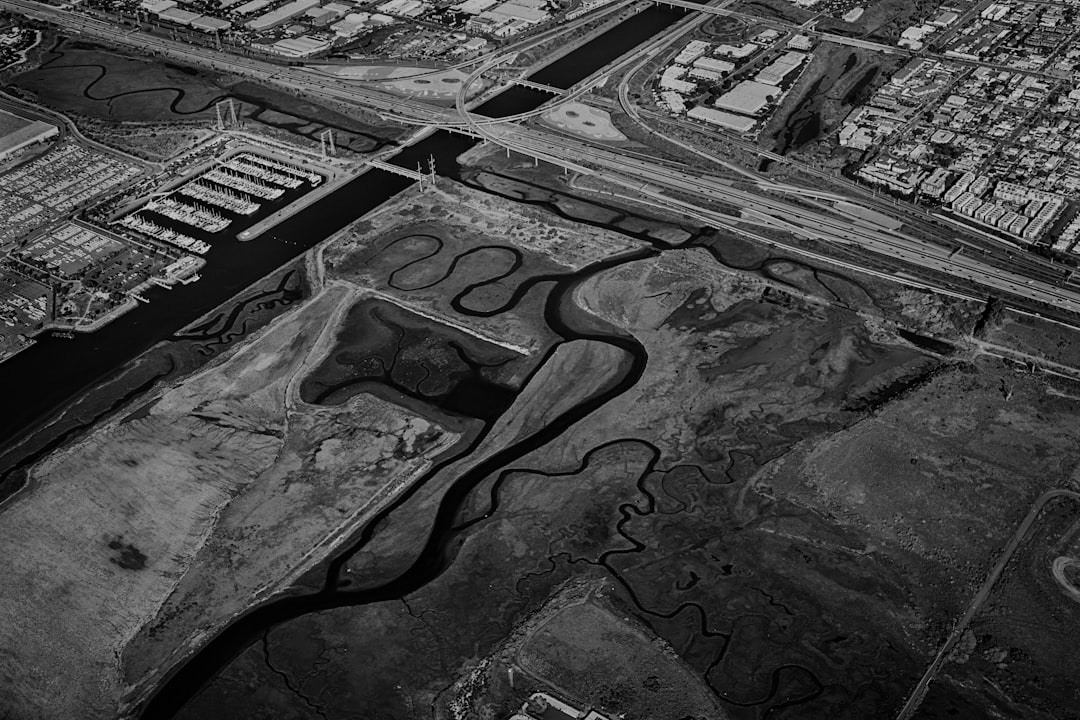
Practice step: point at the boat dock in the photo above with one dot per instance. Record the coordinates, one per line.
(244, 183)
(286, 168)
(225, 199)
(151, 229)
(193, 215)
(258, 171)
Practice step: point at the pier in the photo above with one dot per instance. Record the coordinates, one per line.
(256, 170)
(226, 199)
(193, 215)
(282, 167)
(151, 229)
(243, 183)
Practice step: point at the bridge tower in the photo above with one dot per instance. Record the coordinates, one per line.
(326, 142)
(226, 115)
(429, 176)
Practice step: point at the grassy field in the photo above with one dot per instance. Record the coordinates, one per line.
(156, 109)
(480, 250)
(97, 83)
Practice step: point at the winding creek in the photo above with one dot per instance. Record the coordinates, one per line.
(71, 366)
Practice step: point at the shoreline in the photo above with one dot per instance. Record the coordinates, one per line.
(302, 203)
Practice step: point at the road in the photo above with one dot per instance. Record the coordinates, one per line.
(631, 171)
(296, 79)
(917, 695)
(1058, 571)
(665, 182)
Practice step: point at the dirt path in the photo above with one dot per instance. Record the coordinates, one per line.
(917, 695)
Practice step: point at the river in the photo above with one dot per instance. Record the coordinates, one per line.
(39, 381)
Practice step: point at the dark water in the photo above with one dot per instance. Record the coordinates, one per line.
(38, 381)
(440, 547)
(478, 398)
(606, 47)
(190, 677)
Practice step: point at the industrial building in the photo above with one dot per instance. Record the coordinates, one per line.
(713, 65)
(282, 14)
(210, 24)
(178, 16)
(739, 123)
(156, 7)
(252, 6)
(301, 46)
(748, 97)
(17, 133)
(783, 66)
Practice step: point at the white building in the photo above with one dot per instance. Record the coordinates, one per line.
(748, 97)
(739, 123)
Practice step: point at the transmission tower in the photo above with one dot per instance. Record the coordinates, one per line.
(226, 120)
(326, 142)
(431, 169)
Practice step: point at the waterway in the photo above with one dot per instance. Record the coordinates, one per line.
(36, 383)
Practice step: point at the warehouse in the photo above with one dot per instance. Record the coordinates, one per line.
(282, 14)
(739, 123)
(210, 24)
(748, 97)
(782, 67)
(301, 47)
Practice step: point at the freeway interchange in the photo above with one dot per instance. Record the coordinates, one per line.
(1030, 283)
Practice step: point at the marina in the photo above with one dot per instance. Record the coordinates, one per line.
(193, 215)
(248, 168)
(244, 183)
(314, 178)
(223, 198)
(151, 229)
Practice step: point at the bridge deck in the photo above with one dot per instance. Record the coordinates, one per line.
(396, 169)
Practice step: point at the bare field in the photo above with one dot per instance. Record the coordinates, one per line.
(1020, 654)
(129, 546)
(590, 653)
(949, 470)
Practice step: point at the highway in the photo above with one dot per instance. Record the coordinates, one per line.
(919, 692)
(947, 233)
(634, 172)
(660, 181)
(311, 82)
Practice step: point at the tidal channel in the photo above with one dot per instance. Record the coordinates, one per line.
(39, 381)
